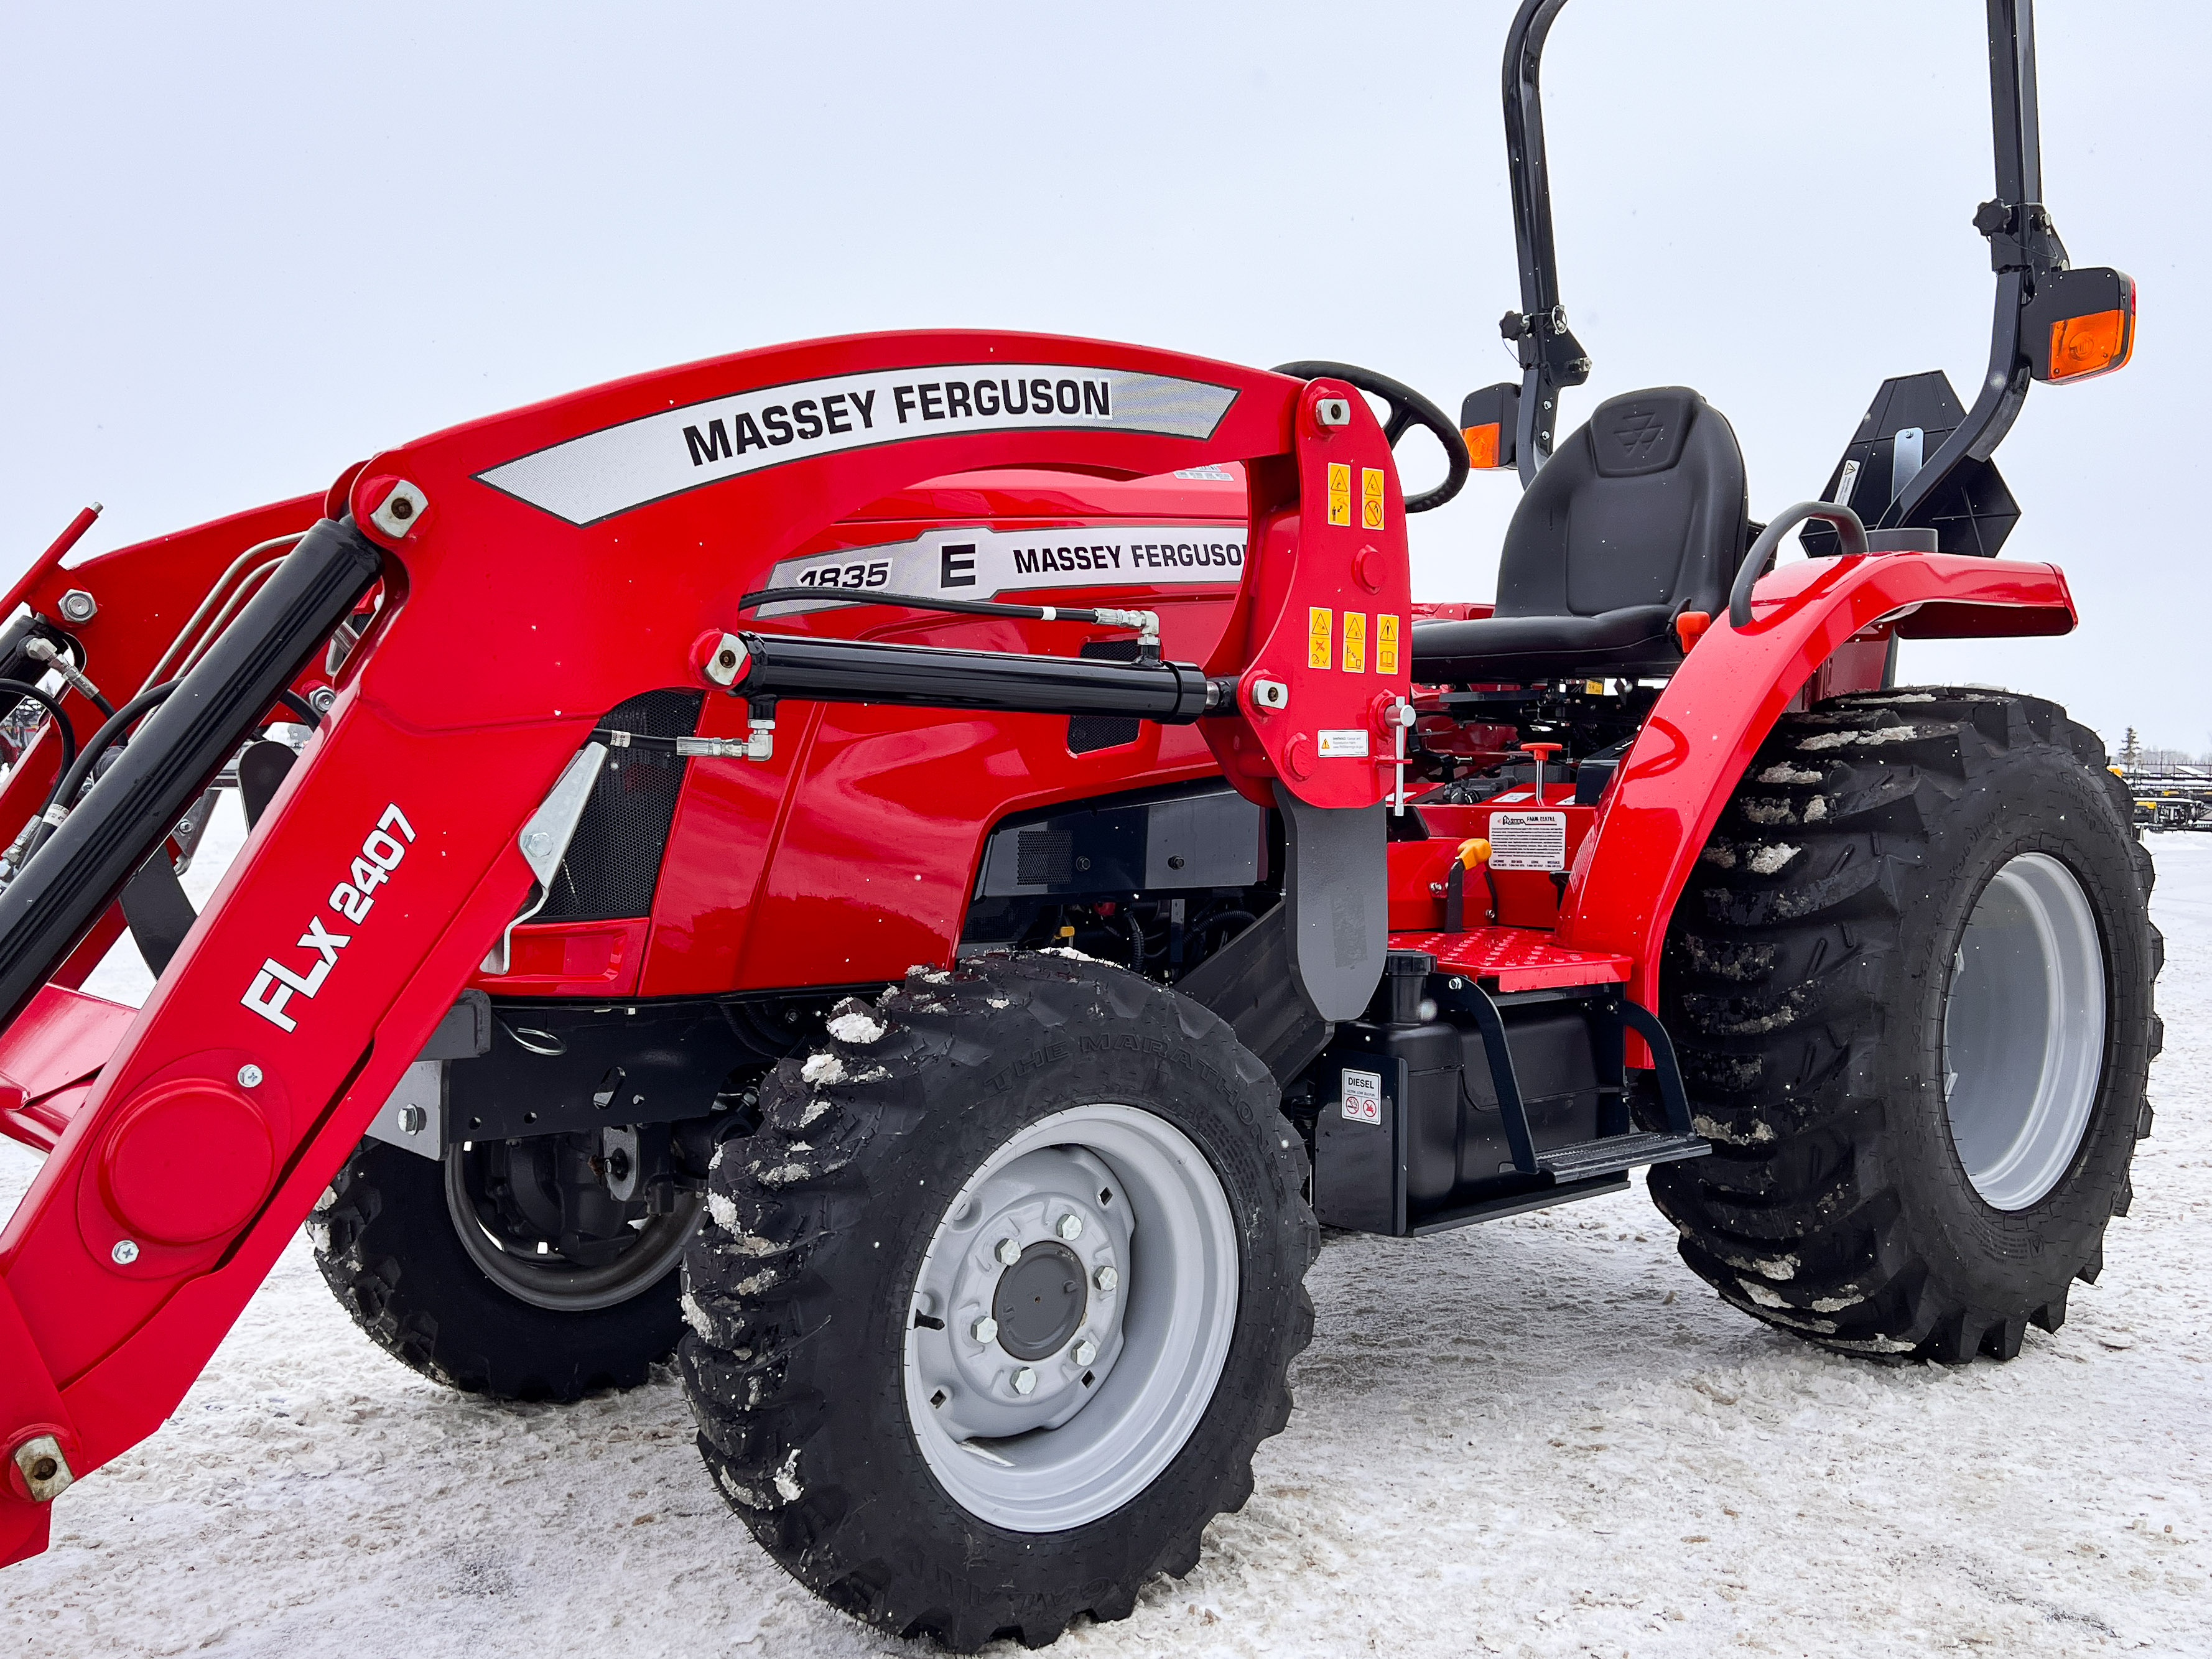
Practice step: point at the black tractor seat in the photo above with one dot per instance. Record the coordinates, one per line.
(1640, 515)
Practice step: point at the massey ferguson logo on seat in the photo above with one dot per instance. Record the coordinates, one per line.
(611, 471)
(1639, 432)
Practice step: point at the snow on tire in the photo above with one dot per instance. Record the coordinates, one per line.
(1910, 980)
(989, 1317)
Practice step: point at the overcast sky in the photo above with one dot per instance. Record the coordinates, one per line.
(249, 244)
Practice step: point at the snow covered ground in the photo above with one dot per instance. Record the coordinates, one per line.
(1538, 1437)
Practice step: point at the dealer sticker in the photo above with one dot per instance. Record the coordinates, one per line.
(1528, 840)
(1363, 1097)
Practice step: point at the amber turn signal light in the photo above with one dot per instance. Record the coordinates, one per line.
(2081, 323)
(1482, 446)
(2096, 344)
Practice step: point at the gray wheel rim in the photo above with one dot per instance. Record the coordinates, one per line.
(549, 1282)
(1045, 1444)
(2024, 1031)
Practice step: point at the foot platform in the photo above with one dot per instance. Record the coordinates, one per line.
(1613, 1154)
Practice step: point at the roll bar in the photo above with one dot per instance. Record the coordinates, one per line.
(2024, 247)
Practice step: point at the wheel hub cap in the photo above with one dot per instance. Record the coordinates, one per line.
(1040, 1301)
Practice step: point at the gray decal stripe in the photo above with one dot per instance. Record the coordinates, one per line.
(624, 466)
(978, 561)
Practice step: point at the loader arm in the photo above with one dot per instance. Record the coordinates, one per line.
(398, 853)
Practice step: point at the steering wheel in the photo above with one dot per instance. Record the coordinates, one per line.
(1407, 408)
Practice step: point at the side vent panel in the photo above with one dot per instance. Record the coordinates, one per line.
(614, 862)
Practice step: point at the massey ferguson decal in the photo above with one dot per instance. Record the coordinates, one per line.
(372, 866)
(612, 470)
(979, 562)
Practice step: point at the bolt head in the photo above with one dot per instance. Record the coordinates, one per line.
(413, 1120)
(1026, 1381)
(123, 1252)
(78, 606)
(1083, 1352)
(249, 1076)
(984, 1330)
(1106, 1279)
(1070, 1228)
(1009, 1251)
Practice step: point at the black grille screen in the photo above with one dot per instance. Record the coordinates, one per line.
(615, 859)
(1088, 731)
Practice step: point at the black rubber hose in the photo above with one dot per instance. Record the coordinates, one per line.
(1407, 406)
(72, 778)
(52, 706)
(300, 705)
(1851, 536)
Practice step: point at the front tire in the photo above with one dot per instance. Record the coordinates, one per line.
(989, 1316)
(1910, 982)
(450, 1288)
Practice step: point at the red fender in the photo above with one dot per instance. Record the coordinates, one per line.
(1725, 698)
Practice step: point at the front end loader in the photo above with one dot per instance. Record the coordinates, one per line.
(916, 871)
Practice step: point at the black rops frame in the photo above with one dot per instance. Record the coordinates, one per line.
(2023, 250)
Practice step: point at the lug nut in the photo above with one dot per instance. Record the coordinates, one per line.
(1008, 1251)
(1070, 1228)
(1083, 1352)
(1026, 1381)
(984, 1330)
(1106, 1279)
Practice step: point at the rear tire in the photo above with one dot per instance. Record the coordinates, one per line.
(838, 1292)
(1909, 982)
(387, 1238)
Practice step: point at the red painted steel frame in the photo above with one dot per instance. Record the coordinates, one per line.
(286, 1018)
(1722, 701)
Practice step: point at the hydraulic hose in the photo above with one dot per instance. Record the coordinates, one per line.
(52, 706)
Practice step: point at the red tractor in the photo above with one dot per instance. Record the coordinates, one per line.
(916, 871)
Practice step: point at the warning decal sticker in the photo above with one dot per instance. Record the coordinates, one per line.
(1370, 493)
(976, 561)
(620, 467)
(1386, 644)
(1363, 1097)
(1339, 493)
(1347, 744)
(1321, 638)
(1355, 642)
(1528, 840)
